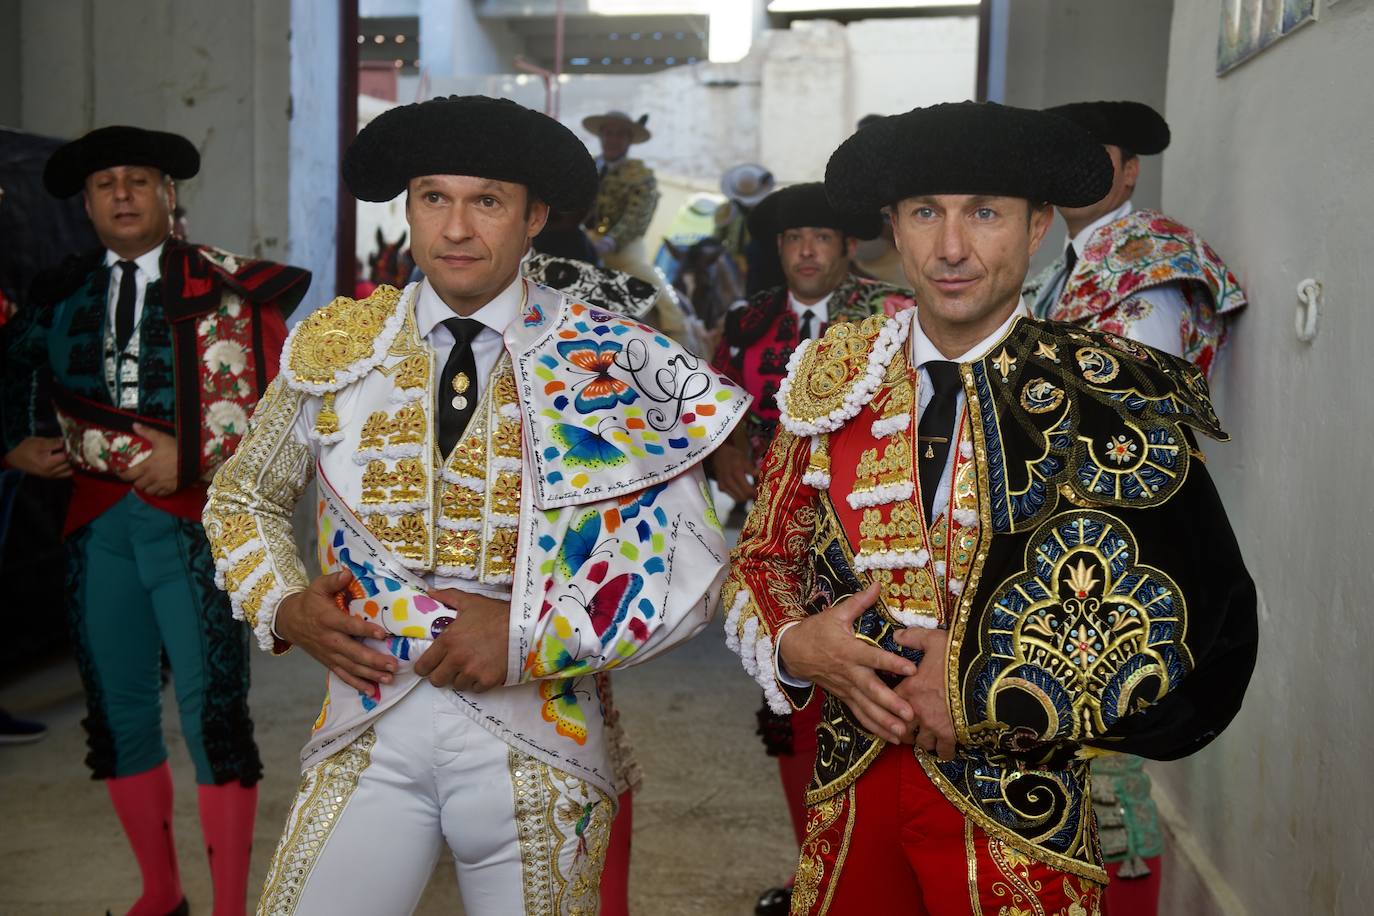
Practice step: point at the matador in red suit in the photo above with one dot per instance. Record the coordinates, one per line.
(989, 540)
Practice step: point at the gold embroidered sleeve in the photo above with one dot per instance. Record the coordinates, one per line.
(248, 513)
(641, 200)
(770, 575)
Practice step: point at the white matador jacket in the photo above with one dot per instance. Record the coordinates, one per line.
(576, 490)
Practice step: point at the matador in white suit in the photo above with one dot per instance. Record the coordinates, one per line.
(509, 500)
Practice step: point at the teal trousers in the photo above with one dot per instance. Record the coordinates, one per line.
(140, 580)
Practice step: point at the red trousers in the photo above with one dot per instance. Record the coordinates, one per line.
(891, 843)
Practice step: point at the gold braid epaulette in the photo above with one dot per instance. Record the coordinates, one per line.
(337, 344)
(824, 376)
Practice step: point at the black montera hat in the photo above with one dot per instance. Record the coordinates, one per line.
(471, 135)
(806, 205)
(67, 168)
(1134, 126)
(968, 148)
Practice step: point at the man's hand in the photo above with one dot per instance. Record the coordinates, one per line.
(823, 649)
(313, 620)
(471, 654)
(40, 456)
(155, 475)
(732, 469)
(927, 692)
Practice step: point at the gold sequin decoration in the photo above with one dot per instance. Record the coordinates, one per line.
(325, 790)
(243, 568)
(894, 467)
(457, 548)
(327, 421)
(500, 554)
(505, 493)
(407, 536)
(830, 367)
(563, 826)
(342, 333)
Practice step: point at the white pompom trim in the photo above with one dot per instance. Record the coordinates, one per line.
(881, 495)
(966, 518)
(732, 620)
(815, 477)
(394, 452)
(955, 586)
(897, 423)
(393, 509)
(891, 559)
(892, 336)
(966, 449)
(326, 438)
(913, 619)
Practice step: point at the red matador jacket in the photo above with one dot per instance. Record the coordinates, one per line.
(208, 345)
(1093, 592)
(760, 336)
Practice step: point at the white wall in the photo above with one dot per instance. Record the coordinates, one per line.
(228, 76)
(1271, 162)
(312, 183)
(1060, 51)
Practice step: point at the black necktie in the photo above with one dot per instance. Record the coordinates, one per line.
(807, 324)
(457, 397)
(124, 308)
(1070, 260)
(936, 429)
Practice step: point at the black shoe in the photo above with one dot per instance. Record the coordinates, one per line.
(776, 901)
(20, 731)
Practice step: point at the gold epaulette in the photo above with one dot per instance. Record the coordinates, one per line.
(336, 345)
(828, 380)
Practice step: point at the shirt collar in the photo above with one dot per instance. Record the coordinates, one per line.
(821, 306)
(923, 351)
(497, 314)
(1080, 241)
(150, 262)
(601, 163)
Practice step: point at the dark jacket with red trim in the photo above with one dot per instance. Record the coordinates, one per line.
(761, 335)
(208, 344)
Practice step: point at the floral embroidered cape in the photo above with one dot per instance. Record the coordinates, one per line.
(1144, 249)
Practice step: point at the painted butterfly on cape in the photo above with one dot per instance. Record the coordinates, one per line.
(595, 358)
(584, 448)
(609, 604)
(561, 708)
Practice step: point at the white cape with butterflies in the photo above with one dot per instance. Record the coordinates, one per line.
(620, 555)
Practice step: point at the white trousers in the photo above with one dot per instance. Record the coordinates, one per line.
(370, 821)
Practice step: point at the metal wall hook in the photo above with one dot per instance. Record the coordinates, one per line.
(1309, 302)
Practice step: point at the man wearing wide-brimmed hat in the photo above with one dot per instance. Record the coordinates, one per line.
(989, 539)
(157, 350)
(508, 481)
(1130, 271)
(627, 194)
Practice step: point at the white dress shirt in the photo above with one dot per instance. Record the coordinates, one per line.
(820, 309)
(1163, 306)
(149, 270)
(496, 315)
(122, 369)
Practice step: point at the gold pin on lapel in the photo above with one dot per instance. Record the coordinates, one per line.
(930, 442)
